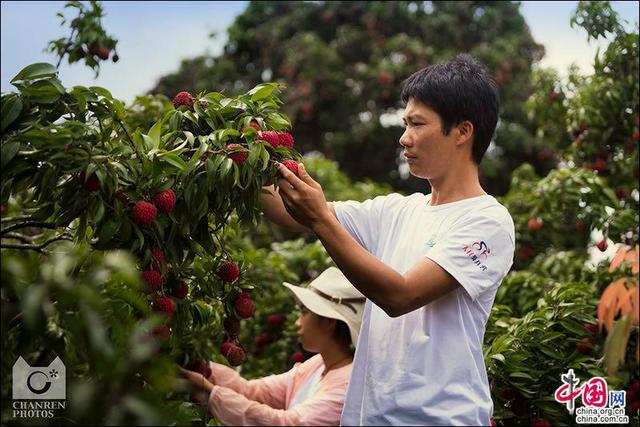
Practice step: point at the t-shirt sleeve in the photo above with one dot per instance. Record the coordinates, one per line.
(362, 220)
(477, 252)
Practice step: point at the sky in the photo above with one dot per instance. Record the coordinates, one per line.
(155, 36)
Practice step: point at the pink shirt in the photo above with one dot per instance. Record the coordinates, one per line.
(266, 401)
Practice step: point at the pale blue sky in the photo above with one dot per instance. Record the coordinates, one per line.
(155, 36)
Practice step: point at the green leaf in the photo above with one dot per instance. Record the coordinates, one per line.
(174, 160)
(35, 71)
(11, 108)
(262, 91)
(154, 134)
(101, 91)
(8, 152)
(42, 92)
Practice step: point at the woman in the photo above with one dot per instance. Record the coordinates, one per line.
(312, 392)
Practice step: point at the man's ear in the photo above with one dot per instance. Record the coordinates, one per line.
(465, 132)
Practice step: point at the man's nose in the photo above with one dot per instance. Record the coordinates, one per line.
(405, 140)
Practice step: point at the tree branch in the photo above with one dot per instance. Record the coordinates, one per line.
(38, 224)
(40, 247)
(15, 218)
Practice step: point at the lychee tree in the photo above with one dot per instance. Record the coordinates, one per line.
(73, 168)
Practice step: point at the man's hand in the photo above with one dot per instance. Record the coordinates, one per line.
(303, 197)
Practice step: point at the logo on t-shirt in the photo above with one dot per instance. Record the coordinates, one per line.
(478, 252)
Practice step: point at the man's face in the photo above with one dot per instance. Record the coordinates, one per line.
(428, 151)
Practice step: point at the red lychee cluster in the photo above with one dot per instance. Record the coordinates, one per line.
(165, 201)
(153, 280)
(297, 357)
(244, 306)
(633, 396)
(231, 325)
(277, 139)
(183, 98)
(144, 213)
(292, 165)
(164, 305)
(534, 224)
(234, 354)
(101, 52)
(602, 245)
(200, 366)
(239, 157)
(180, 290)
(92, 184)
(275, 320)
(229, 272)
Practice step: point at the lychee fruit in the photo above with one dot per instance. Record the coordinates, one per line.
(620, 193)
(263, 339)
(235, 355)
(286, 139)
(586, 347)
(183, 98)
(582, 127)
(540, 422)
(231, 325)
(122, 197)
(229, 272)
(103, 53)
(225, 347)
(581, 227)
(239, 157)
(526, 252)
(202, 367)
(636, 136)
(275, 319)
(599, 165)
(493, 422)
(297, 357)
(153, 279)
(292, 165)
(92, 184)
(534, 224)
(157, 255)
(244, 307)
(164, 305)
(590, 327)
(271, 137)
(144, 213)
(602, 245)
(165, 201)
(254, 124)
(180, 290)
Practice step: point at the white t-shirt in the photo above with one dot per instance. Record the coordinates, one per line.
(426, 367)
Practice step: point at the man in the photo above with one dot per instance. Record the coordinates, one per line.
(429, 265)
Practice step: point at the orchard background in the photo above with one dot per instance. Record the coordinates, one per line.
(132, 239)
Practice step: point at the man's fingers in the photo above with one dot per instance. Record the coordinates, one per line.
(304, 175)
(290, 176)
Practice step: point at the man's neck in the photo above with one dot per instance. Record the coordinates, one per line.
(458, 184)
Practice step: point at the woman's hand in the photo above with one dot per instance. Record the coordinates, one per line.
(198, 380)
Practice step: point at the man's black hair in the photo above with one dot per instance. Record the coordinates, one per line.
(459, 90)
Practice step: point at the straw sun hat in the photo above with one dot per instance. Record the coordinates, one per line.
(332, 295)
